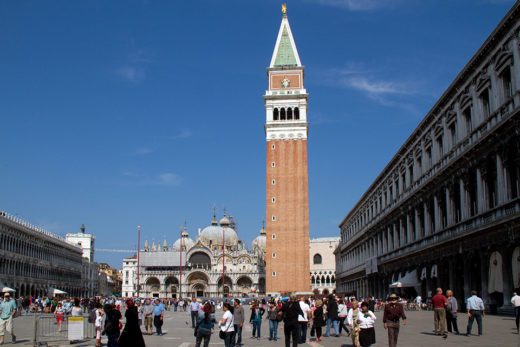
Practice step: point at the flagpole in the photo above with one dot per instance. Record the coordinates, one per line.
(138, 258)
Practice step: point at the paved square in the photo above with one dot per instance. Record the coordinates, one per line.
(498, 331)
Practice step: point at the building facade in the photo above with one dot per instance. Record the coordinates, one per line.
(323, 263)
(287, 205)
(445, 212)
(215, 264)
(91, 281)
(35, 262)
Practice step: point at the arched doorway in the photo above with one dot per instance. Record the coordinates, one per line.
(244, 285)
(171, 286)
(225, 287)
(152, 287)
(198, 283)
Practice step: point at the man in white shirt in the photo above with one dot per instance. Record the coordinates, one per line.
(475, 307)
(515, 300)
(194, 311)
(303, 320)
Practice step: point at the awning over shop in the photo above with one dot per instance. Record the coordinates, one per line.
(406, 281)
(58, 292)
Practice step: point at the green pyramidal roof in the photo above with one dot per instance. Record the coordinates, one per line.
(285, 55)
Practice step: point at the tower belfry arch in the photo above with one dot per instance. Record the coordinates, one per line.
(287, 205)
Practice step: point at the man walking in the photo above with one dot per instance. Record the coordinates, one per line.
(515, 300)
(393, 313)
(303, 320)
(439, 303)
(475, 307)
(291, 310)
(238, 320)
(158, 316)
(148, 316)
(194, 310)
(8, 308)
(451, 313)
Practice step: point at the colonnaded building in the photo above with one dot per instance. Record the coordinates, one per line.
(216, 263)
(445, 211)
(35, 262)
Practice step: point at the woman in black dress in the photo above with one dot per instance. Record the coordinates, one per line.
(131, 335)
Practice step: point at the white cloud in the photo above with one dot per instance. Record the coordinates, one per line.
(355, 5)
(183, 134)
(376, 87)
(143, 151)
(131, 73)
(169, 179)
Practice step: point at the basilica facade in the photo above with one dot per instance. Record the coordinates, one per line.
(214, 264)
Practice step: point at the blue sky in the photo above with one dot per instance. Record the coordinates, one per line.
(119, 113)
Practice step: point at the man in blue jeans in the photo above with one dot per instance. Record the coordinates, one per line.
(194, 311)
(475, 307)
(332, 315)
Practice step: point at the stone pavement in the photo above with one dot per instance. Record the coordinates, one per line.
(498, 331)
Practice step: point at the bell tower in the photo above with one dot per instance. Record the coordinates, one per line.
(287, 202)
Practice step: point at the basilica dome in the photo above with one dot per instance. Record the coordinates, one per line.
(187, 243)
(258, 243)
(214, 234)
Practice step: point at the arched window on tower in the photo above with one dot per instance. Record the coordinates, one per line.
(282, 114)
(317, 258)
(275, 114)
(289, 113)
(296, 113)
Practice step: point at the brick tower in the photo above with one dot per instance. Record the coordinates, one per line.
(287, 202)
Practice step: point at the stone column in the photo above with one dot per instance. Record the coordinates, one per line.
(481, 198)
(396, 236)
(409, 226)
(418, 231)
(464, 212)
(507, 274)
(449, 208)
(484, 269)
(402, 239)
(427, 220)
(436, 214)
(501, 186)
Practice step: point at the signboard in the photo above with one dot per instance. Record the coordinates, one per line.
(76, 324)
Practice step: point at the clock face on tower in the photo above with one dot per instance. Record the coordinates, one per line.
(286, 82)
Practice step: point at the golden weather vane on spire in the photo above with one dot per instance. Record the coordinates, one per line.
(284, 9)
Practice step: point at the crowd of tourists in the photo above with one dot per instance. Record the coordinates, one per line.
(303, 317)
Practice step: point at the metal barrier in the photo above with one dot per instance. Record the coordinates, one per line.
(46, 329)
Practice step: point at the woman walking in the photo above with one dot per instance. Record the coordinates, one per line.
(131, 335)
(274, 318)
(59, 313)
(319, 320)
(98, 323)
(256, 319)
(227, 324)
(352, 323)
(366, 320)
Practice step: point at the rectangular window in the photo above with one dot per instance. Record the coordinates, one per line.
(274, 274)
(273, 200)
(273, 218)
(484, 100)
(466, 115)
(273, 236)
(273, 164)
(273, 182)
(440, 146)
(410, 173)
(274, 255)
(429, 157)
(507, 86)
(453, 133)
(273, 146)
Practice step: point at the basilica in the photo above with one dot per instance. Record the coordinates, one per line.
(216, 263)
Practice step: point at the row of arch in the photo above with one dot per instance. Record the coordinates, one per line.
(323, 280)
(20, 268)
(35, 290)
(288, 113)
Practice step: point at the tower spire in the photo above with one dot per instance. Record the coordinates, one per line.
(285, 53)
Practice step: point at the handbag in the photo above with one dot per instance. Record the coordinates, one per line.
(222, 334)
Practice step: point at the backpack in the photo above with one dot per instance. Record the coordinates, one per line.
(92, 316)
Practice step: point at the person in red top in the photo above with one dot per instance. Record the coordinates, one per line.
(439, 303)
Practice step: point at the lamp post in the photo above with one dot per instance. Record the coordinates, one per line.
(223, 257)
(180, 272)
(138, 263)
